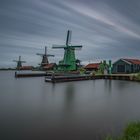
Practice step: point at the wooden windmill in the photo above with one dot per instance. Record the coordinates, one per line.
(19, 63)
(45, 57)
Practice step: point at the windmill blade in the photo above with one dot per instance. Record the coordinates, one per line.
(23, 61)
(45, 50)
(68, 40)
(15, 61)
(77, 46)
(50, 55)
(59, 46)
(39, 54)
(19, 58)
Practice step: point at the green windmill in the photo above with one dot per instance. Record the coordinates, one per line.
(68, 63)
(19, 63)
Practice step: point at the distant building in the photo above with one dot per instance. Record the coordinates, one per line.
(26, 68)
(126, 66)
(92, 67)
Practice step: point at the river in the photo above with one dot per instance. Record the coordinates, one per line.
(85, 110)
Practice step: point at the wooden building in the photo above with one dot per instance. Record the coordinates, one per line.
(26, 68)
(50, 66)
(92, 67)
(126, 66)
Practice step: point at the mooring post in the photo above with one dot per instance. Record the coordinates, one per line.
(15, 73)
(53, 76)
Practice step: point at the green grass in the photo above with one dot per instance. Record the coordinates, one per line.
(138, 76)
(131, 132)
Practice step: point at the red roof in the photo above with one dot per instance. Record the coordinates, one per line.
(26, 68)
(133, 61)
(49, 66)
(92, 66)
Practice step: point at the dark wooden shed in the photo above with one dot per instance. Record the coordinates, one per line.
(126, 66)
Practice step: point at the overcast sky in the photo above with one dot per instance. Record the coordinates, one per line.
(107, 29)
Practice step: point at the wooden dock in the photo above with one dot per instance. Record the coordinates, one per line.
(65, 77)
(34, 74)
(68, 78)
(31, 74)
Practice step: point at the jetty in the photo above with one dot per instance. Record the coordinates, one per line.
(68, 78)
(30, 74)
(20, 74)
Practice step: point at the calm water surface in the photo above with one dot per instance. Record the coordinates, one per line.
(85, 110)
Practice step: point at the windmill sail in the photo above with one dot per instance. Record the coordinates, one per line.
(68, 62)
(68, 40)
(45, 57)
(19, 62)
(58, 46)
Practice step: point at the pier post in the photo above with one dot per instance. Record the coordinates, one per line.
(53, 76)
(15, 73)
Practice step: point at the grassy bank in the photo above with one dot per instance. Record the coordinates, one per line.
(131, 132)
(137, 77)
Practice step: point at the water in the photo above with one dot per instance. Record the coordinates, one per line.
(84, 110)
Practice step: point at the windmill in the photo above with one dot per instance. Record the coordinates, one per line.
(19, 63)
(45, 57)
(69, 61)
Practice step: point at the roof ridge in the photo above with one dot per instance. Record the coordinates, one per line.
(133, 61)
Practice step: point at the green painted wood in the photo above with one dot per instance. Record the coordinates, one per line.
(68, 63)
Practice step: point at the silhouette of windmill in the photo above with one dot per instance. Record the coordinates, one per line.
(69, 61)
(45, 57)
(19, 63)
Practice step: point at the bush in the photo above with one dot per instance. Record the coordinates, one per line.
(82, 70)
(138, 76)
(131, 132)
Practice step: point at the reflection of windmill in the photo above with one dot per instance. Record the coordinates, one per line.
(69, 62)
(45, 57)
(19, 62)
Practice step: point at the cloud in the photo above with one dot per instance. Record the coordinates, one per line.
(106, 29)
(111, 21)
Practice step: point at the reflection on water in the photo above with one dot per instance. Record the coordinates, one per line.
(69, 97)
(108, 86)
(85, 110)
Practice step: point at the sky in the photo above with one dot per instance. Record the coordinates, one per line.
(107, 29)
